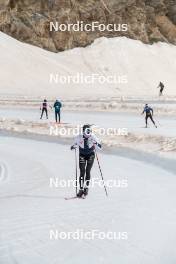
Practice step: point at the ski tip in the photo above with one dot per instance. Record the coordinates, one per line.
(74, 197)
(70, 198)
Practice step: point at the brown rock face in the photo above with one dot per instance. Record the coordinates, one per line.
(29, 20)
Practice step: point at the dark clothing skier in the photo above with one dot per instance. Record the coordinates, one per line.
(44, 109)
(161, 86)
(148, 114)
(57, 107)
(87, 144)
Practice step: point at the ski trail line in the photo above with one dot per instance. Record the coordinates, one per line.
(3, 173)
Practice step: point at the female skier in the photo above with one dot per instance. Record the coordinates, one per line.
(87, 143)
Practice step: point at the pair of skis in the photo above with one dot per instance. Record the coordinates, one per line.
(75, 197)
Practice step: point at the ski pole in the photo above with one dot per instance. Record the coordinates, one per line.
(158, 122)
(101, 172)
(76, 168)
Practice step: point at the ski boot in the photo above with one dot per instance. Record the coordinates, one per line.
(86, 191)
(80, 193)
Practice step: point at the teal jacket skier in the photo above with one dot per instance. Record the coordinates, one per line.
(57, 107)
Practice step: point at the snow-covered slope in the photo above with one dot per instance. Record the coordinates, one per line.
(30, 208)
(25, 70)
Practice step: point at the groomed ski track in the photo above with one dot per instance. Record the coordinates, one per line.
(30, 208)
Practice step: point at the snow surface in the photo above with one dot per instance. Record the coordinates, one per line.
(131, 121)
(144, 65)
(129, 129)
(30, 208)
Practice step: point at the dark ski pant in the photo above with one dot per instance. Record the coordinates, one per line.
(44, 110)
(151, 118)
(85, 165)
(161, 91)
(57, 116)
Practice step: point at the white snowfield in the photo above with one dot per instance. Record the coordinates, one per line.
(25, 69)
(142, 212)
(114, 129)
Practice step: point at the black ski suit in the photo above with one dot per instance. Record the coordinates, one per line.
(44, 110)
(86, 158)
(148, 114)
(161, 85)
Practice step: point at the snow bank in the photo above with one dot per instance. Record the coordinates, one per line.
(30, 68)
(145, 142)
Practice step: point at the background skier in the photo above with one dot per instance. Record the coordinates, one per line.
(57, 107)
(161, 86)
(87, 143)
(148, 114)
(44, 108)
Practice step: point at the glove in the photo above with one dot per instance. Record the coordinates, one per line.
(97, 144)
(73, 147)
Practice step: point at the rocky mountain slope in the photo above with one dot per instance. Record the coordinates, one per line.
(28, 20)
